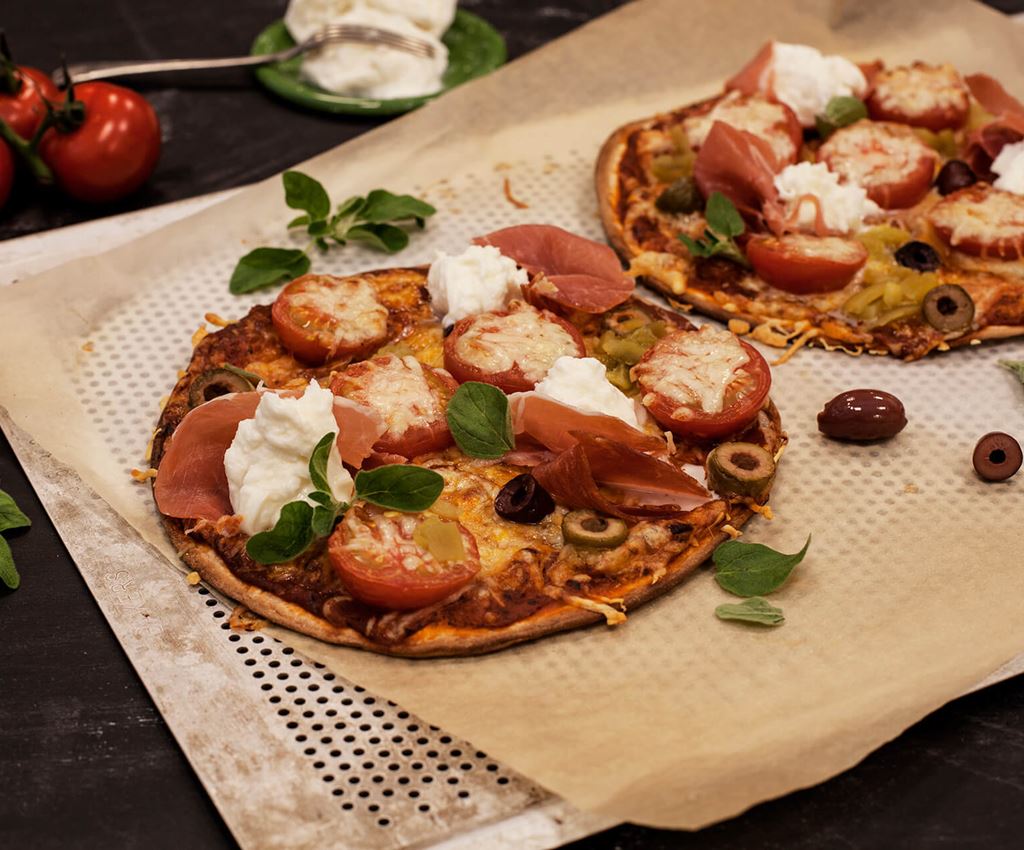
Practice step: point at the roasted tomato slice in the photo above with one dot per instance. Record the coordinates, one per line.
(982, 221)
(381, 563)
(321, 318)
(511, 349)
(889, 160)
(805, 264)
(412, 399)
(767, 119)
(931, 96)
(705, 383)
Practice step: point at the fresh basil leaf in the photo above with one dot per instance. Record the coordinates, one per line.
(382, 206)
(324, 517)
(399, 486)
(383, 237)
(697, 249)
(480, 421)
(302, 192)
(731, 251)
(840, 111)
(722, 216)
(753, 610)
(10, 515)
(267, 266)
(1015, 366)
(321, 498)
(289, 537)
(251, 377)
(752, 569)
(318, 462)
(349, 207)
(300, 221)
(318, 228)
(8, 573)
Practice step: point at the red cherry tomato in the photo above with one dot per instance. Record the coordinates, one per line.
(805, 264)
(670, 370)
(410, 397)
(510, 349)
(6, 172)
(112, 153)
(321, 318)
(25, 109)
(381, 564)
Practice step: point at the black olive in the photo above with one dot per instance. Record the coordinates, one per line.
(997, 456)
(216, 382)
(919, 256)
(682, 196)
(862, 415)
(955, 174)
(680, 527)
(523, 500)
(948, 308)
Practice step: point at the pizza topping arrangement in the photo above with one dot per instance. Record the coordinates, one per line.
(478, 280)
(811, 248)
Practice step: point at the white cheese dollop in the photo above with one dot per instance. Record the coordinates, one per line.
(844, 206)
(1009, 165)
(806, 80)
(582, 382)
(478, 280)
(267, 464)
(373, 71)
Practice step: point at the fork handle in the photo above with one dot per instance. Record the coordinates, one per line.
(85, 71)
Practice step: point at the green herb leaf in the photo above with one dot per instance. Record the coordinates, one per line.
(401, 487)
(1015, 366)
(318, 462)
(10, 515)
(322, 498)
(325, 516)
(753, 610)
(267, 266)
(698, 249)
(479, 419)
(752, 569)
(839, 112)
(288, 539)
(251, 377)
(318, 228)
(382, 206)
(302, 192)
(722, 216)
(350, 207)
(383, 237)
(300, 221)
(8, 574)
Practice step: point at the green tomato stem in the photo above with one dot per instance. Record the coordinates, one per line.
(27, 152)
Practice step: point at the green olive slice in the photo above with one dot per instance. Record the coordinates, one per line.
(740, 469)
(626, 320)
(948, 308)
(214, 383)
(589, 528)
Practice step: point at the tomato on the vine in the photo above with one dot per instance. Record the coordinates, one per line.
(6, 172)
(114, 149)
(23, 95)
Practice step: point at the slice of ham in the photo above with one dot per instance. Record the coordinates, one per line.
(741, 166)
(634, 484)
(569, 270)
(191, 482)
(985, 143)
(756, 75)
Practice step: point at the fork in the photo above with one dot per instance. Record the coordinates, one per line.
(329, 34)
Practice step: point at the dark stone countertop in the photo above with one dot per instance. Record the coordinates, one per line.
(85, 758)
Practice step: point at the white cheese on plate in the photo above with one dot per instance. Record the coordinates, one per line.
(479, 280)
(806, 80)
(582, 382)
(373, 70)
(267, 464)
(844, 206)
(1009, 165)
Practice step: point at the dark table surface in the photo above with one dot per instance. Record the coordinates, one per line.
(86, 760)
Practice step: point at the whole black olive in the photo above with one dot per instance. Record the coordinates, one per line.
(523, 500)
(862, 415)
(997, 456)
(948, 308)
(955, 174)
(919, 256)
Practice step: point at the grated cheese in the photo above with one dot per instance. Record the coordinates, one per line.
(612, 616)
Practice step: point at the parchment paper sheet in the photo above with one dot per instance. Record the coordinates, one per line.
(911, 591)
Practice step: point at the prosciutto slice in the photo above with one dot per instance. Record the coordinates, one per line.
(191, 482)
(635, 484)
(985, 143)
(575, 272)
(756, 75)
(739, 165)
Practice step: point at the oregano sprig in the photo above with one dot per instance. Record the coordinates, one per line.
(724, 223)
(11, 518)
(379, 220)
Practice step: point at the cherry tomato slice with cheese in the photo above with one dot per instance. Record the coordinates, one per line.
(804, 264)
(704, 384)
(381, 564)
(983, 221)
(889, 160)
(931, 96)
(510, 349)
(412, 399)
(321, 317)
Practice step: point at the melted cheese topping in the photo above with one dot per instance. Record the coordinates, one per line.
(388, 538)
(916, 90)
(398, 389)
(524, 338)
(755, 114)
(352, 303)
(994, 216)
(874, 153)
(693, 369)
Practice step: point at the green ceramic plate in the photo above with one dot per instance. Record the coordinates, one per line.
(474, 49)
